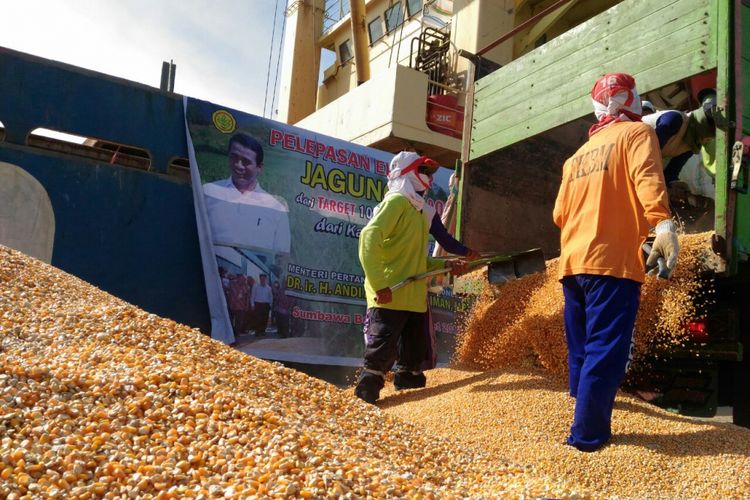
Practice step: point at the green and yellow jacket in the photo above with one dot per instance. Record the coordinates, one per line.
(393, 247)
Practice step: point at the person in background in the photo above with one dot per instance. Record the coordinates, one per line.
(393, 247)
(238, 302)
(260, 302)
(612, 192)
(681, 135)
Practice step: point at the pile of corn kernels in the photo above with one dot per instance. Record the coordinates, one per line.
(521, 323)
(99, 399)
(524, 415)
(521, 409)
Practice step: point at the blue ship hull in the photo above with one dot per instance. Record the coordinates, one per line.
(129, 230)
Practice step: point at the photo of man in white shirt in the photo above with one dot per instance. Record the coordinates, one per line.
(261, 300)
(241, 213)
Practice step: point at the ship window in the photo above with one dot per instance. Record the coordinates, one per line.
(414, 7)
(394, 17)
(376, 30)
(345, 51)
(180, 168)
(96, 149)
(60, 136)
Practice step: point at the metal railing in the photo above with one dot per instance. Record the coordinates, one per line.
(430, 54)
(335, 11)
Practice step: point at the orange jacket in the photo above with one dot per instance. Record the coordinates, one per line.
(612, 191)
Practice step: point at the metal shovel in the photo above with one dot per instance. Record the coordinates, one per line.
(501, 268)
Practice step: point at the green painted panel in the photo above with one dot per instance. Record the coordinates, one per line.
(722, 208)
(742, 213)
(658, 41)
(745, 80)
(572, 109)
(573, 53)
(575, 77)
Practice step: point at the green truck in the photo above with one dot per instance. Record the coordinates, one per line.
(525, 118)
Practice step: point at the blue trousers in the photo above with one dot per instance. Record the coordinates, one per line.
(600, 316)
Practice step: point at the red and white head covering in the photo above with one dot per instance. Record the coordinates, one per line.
(404, 177)
(615, 99)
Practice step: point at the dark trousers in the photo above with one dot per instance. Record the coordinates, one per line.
(599, 317)
(430, 360)
(261, 316)
(392, 336)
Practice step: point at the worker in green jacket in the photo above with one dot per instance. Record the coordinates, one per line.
(393, 247)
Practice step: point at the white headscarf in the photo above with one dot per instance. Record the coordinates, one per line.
(615, 99)
(405, 179)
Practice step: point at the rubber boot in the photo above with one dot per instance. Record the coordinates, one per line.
(369, 386)
(409, 380)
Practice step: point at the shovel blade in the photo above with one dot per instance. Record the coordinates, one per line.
(529, 262)
(499, 273)
(516, 266)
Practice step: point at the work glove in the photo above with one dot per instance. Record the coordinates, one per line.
(665, 246)
(457, 267)
(472, 255)
(384, 296)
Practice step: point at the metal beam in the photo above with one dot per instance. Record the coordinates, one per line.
(358, 22)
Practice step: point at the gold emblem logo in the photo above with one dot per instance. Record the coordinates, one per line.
(224, 121)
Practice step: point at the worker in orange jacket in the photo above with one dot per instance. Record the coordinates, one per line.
(612, 192)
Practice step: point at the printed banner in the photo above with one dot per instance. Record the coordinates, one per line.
(279, 212)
